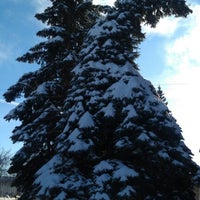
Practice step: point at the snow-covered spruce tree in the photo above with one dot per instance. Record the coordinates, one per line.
(119, 141)
(44, 90)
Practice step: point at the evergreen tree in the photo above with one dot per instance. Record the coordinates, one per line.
(45, 89)
(4, 162)
(119, 141)
(161, 95)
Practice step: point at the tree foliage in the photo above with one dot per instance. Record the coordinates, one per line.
(119, 141)
(92, 127)
(45, 89)
(161, 95)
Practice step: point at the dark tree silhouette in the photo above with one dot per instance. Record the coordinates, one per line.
(45, 89)
(161, 95)
(92, 127)
(119, 140)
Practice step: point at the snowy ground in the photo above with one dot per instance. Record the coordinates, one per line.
(7, 198)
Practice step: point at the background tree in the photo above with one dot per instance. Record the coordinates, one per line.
(161, 95)
(4, 162)
(45, 89)
(119, 141)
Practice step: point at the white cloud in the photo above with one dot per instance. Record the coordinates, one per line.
(3, 54)
(183, 78)
(40, 5)
(165, 27)
(6, 51)
(9, 103)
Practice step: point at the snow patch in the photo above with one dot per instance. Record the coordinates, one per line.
(80, 145)
(77, 143)
(61, 196)
(86, 121)
(46, 178)
(127, 191)
(123, 173)
(123, 142)
(131, 112)
(102, 179)
(127, 87)
(55, 39)
(109, 111)
(177, 163)
(100, 196)
(74, 135)
(143, 137)
(102, 167)
(164, 155)
(73, 117)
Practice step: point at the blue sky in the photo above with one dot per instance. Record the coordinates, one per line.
(18, 29)
(169, 57)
